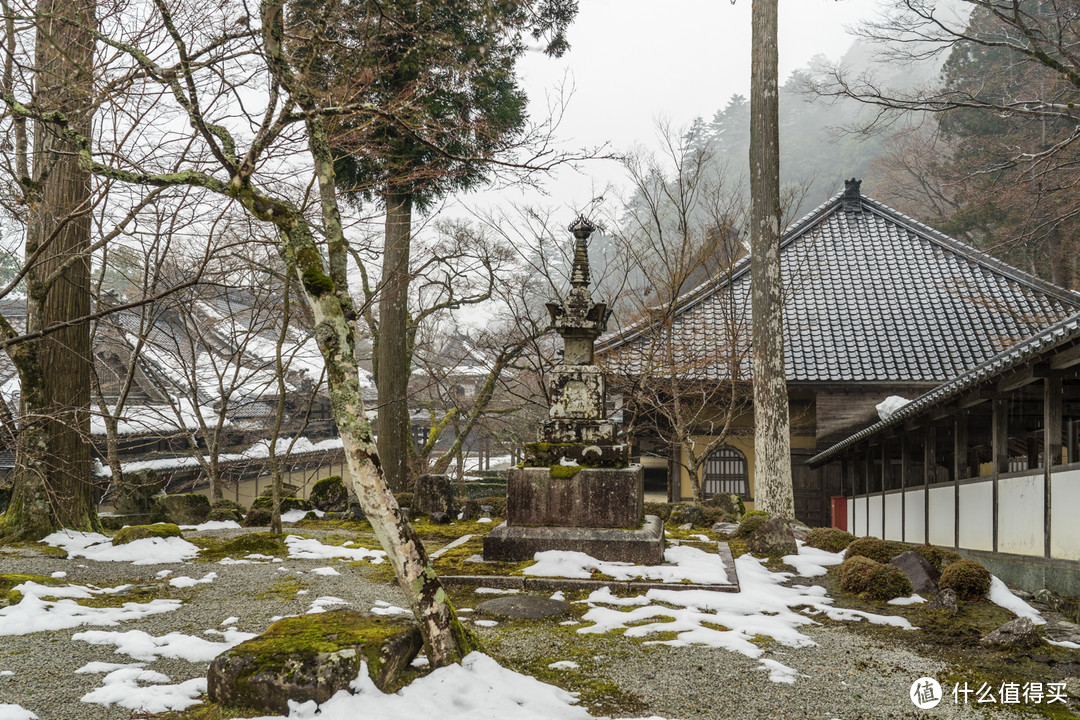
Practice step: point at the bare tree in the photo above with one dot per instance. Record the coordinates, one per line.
(684, 384)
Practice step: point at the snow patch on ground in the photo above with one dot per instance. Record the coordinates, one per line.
(325, 571)
(293, 516)
(321, 604)
(213, 525)
(477, 689)
(812, 562)
(35, 613)
(9, 711)
(763, 607)
(143, 646)
(183, 581)
(910, 600)
(122, 687)
(311, 549)
(688, 564)
(148, 551)
(1000, 594)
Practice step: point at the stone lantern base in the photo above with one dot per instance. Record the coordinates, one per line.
(598, 511)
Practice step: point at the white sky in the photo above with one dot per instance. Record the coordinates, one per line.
(633, 61)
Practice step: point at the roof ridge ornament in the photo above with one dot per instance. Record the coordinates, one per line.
(852, 197)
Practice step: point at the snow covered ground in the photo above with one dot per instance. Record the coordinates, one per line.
(771, 612)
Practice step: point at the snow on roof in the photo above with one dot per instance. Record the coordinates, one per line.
(258, 451)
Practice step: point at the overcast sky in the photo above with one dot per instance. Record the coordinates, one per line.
(632, 61)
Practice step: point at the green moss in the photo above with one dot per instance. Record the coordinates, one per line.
(300, 639)
(750, 522)
(265, 502)
(969, 579)
(565, 471)
(317, 282)
(8, 596)
(136, 594)
(140, 532)
(214, 548)
(283, 590)
(830, 539)
(455, 562)
(859, 575)
(878, 550)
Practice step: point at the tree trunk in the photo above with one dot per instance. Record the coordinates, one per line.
(52, 475)
(392, 355)
(772, 435)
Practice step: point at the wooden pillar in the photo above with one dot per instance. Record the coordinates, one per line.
(960, 453)
(884, 474)
(1052, 411)
(929, 466)
(999, 452)
(905, 463)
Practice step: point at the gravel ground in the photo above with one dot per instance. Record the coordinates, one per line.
(846, 676)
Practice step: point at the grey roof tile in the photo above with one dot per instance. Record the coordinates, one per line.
(872, 296)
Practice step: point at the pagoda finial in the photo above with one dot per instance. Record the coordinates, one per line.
(582, 229)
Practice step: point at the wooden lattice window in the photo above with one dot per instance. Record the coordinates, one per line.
(726, 472)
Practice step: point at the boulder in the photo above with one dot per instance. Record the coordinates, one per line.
(187, 509)
(523, 607)
(773, 537)
(330, 494)
(257, 517)
(1018, 633)
(945, 600)
(921, 573)
(440, 518)
(730, 503)
(355, 512)
(433, 493)
(311, 657)
(135, 496)
(470, 510)
(686, 514)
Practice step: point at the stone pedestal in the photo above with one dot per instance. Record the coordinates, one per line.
(597, 511)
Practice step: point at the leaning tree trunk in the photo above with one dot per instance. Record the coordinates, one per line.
(52, 475)
(772, 437)
(392, 355)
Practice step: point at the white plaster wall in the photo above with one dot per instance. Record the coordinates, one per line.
(1064, 527)
(850, 506)
(942, 516)
(1020, 515)
(893, 516)
(976, 516)
(914, 516)
(873, 516)
(860, 518)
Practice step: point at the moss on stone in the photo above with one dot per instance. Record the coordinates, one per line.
(132, 533)
(564, 471)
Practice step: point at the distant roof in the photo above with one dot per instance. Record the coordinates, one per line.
(871, 295)
(1042, 342)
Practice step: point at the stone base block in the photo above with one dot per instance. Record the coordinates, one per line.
(642, 546)
(591, 498)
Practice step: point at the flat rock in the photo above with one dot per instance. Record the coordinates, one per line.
(311, 657)
(945, 600)
(523, 607)
(922, 574)
(1018, 633)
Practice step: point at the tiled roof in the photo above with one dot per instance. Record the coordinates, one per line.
(871, 295)
(1042, 342)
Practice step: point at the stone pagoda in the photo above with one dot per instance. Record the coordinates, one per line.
(576, 489)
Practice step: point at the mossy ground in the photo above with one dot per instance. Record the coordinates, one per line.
(134, 594)
(954, 639)
(142, 532)
(212, 549)
(8, 596)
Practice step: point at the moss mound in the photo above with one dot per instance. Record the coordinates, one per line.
(968, 578)
(660, 510)
(876, 549)
(859, 575)
(140, 532)
(238, 547)
(265, 502)
(750, 522)
(496, 503)
(330, 494)
(830, 539)
(223, 510)
(940, 558)
(256, 517)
